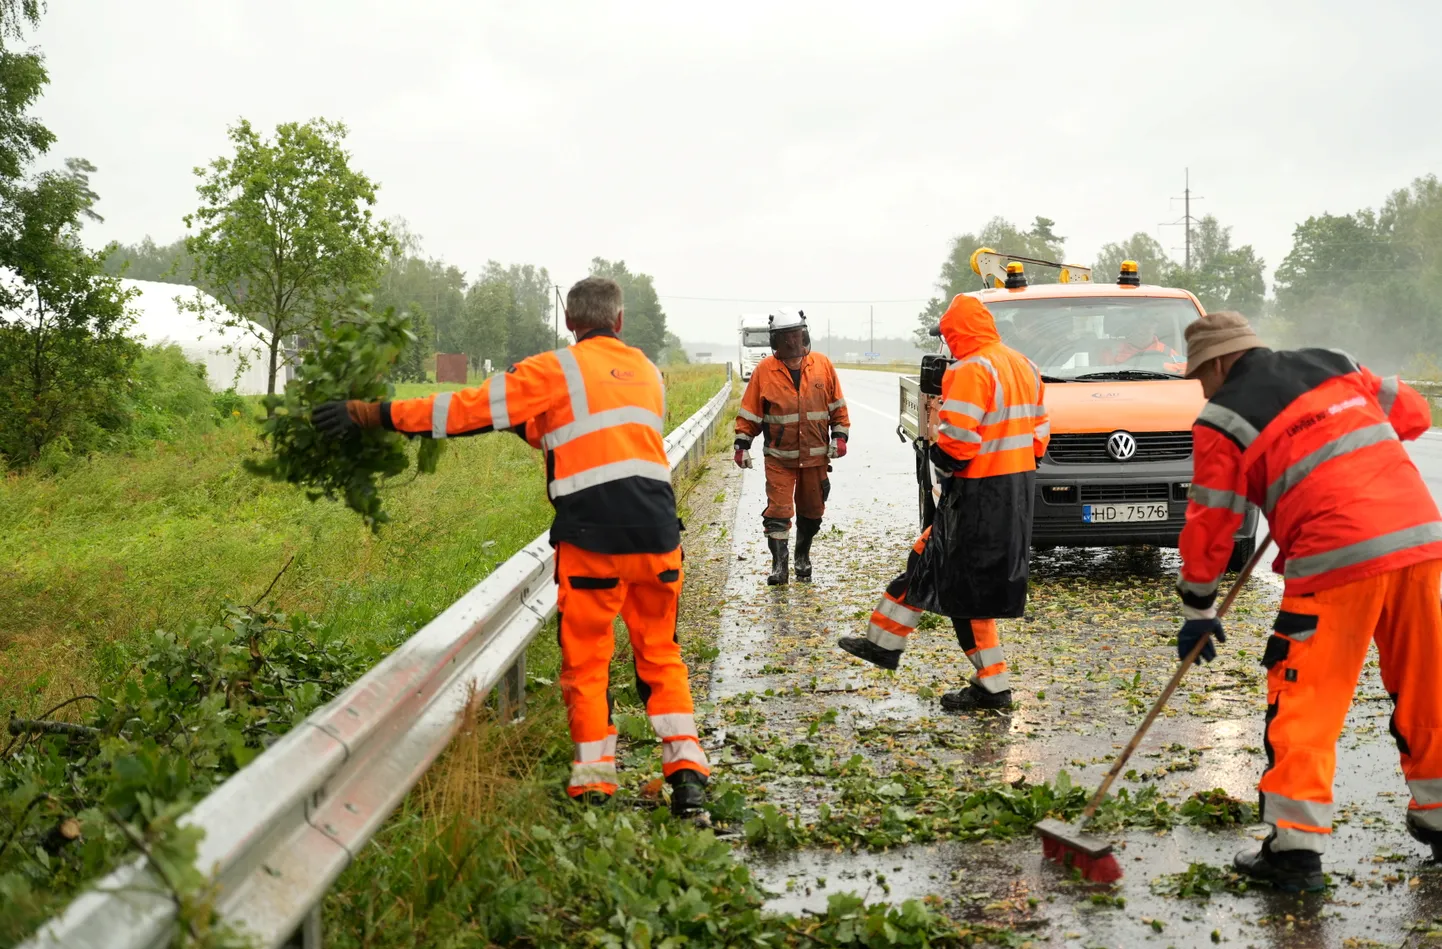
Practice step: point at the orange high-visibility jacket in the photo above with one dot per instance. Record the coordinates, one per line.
(598, 410)
(1311, 438)
(797, 422)
(992, 421)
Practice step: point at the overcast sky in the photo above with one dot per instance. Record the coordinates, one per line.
(767, 151)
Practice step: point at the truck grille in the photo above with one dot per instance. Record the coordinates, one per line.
(1083, 448)
(1092, 493)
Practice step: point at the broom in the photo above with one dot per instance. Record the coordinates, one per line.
(1071, 846)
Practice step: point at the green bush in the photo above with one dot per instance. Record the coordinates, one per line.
(169, 397)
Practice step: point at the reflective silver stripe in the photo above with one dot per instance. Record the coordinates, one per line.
(840, 430)
(1430, 818)
(500, 415)
(960, 434)
(987, 657)
(779, 535)
(575, 382)
(593, 772)
(1387, 395)
(780, 453)
(1360, 552)
(684, 750)
(1301, 637)
(782, 419)
(1289, 838)
(1198, 587)
(1337, 447)
(615, 471)
(899, 613)
(673, 724)
(817, 416)
(440, 414)
(1230, 422)
(1043, 430)
(1426, 791)
(839, 403)
(969, 409)
(749, 416)
(1192, 612)
(1347, 356)
(610, 418)
(999, 396)
(1012, 412)
(1005, 444)
(820, 451)
(1218, 498)
(592, 751)
(885, 638)
(1001, 682)
(1275, 808)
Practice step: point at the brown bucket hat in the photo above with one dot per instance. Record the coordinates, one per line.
(1218, 334)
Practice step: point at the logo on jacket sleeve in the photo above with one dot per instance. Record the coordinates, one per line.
(1121, 445)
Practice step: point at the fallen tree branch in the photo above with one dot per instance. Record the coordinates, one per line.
(37, 726)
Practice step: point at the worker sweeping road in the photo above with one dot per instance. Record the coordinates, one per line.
(1312, 438)
(972, 563)
(794, 402)
(596, 408)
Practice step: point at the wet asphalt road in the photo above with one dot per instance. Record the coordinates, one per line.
(1088, 659)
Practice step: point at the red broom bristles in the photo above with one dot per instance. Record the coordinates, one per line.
(1104, 869)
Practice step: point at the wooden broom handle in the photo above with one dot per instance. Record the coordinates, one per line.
(1191, 657)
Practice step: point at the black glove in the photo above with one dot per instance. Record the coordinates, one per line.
(333, 420)
(1193, 630)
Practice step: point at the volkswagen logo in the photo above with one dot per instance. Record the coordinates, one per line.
(1121, 446)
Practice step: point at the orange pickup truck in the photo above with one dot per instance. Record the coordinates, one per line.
(1112, 357)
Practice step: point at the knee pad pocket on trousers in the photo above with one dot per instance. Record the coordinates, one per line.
(1277, 651)
(1299, 626)
(825, 489)
(669, 576)
(1402, 745)
(593, 583)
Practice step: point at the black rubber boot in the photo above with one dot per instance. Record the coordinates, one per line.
(593, 799)
(688, 793)
(806, 529)
(974, 697)
(779, 561)
(1422, 834)
(1291, 871)
(863, 648)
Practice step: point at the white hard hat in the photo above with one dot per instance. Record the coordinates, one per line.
(783, 320)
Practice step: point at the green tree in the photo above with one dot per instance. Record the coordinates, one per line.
(64, 355)
(645, 324)
(1222, 276)
(168, 263)
(1153, 264)
(1040, 241)
(283, 233)
(489, 312)
(530, 329)
(431, 290)
(674, 353)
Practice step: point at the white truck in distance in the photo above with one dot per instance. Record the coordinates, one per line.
(753, 342)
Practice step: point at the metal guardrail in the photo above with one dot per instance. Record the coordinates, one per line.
(280, 831)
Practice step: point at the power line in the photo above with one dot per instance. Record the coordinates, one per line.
(866, 300)
(1187, 219)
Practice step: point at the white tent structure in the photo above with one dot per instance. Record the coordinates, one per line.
(159, 319)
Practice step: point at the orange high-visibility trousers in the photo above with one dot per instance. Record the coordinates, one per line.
(1314, 659)
(793, 491)
(894, 620)
(644, 590)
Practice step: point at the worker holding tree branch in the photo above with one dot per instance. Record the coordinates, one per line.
(794, 402)
(1315, 441)
(597, 410)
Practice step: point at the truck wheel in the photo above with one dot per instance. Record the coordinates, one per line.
(1242, 551)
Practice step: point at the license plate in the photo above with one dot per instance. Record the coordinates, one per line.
(1122, 513)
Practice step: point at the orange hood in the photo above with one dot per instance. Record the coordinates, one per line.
(1161, 406)
(967, 326)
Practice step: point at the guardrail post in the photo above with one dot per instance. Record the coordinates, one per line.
(308, 936)
(512, 693)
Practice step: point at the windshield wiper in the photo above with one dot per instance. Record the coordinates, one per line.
(1124, 374)
(1047, 378)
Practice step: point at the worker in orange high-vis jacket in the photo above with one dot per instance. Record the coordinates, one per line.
(597, 409)
(972, 563)
(794, 402)
(1315, 441)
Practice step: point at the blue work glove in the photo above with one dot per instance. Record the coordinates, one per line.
(1193, 630)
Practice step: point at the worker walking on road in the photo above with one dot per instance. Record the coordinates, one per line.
(794, 402)
(1314, 440)
(972, 563)
(596, 408)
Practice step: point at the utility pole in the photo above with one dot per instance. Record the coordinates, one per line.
(1187, 220)
(873, 328)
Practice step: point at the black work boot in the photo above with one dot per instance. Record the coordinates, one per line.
(863, 648)
(1425, 835)
(593, 799)
(688, 792)
(806, 529)
(1291, 871)
(779, 558)
(974, 697)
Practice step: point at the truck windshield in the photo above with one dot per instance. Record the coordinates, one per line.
(754, 337)
(1098, 337)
